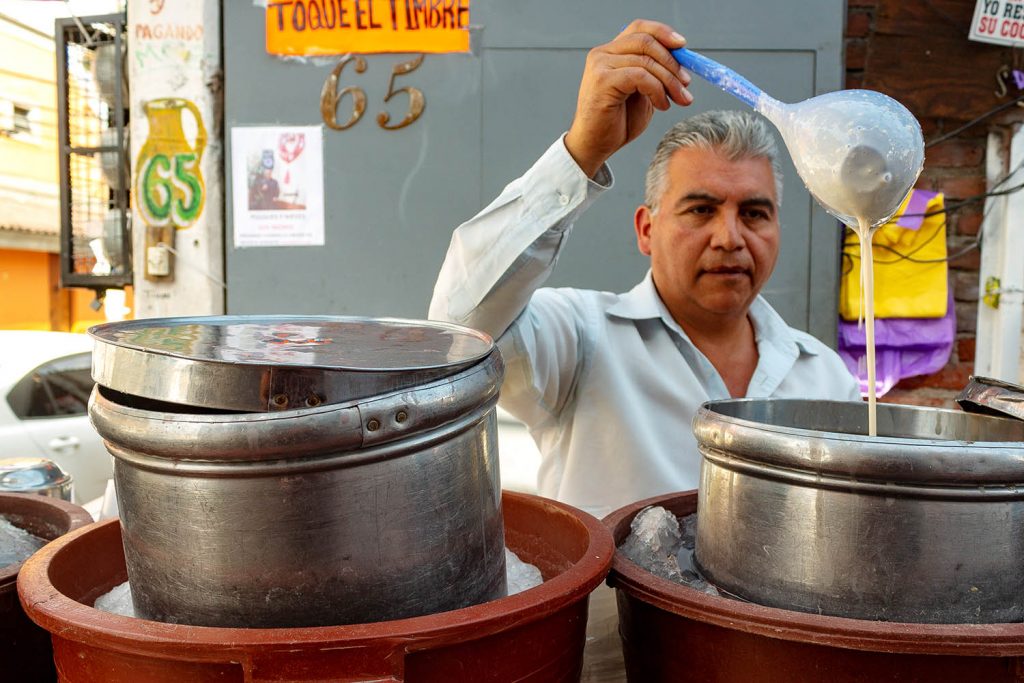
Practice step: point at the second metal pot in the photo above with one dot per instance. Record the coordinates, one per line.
(925, 523)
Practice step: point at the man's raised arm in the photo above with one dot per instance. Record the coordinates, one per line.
(497, 259)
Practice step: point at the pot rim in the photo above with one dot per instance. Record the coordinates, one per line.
(102, 334)
(257, 380)
(292, 434)
(983, 640)
(62, 513)
(58, 613)
(986, 468)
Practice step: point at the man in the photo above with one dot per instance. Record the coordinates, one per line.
(264, 190)
(609, 383)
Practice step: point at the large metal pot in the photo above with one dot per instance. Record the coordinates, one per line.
(925, 523)
(378, 508)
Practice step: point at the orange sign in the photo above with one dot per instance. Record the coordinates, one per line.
(334, 27)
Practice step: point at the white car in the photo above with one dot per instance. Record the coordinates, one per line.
(45, 381)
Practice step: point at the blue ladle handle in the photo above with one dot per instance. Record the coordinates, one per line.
(719, 75)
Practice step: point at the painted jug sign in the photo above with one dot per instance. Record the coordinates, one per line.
(170, 188)
(336, 27)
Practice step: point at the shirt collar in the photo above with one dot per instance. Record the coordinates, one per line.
(643, 303)
(768, 324)
(640, 303)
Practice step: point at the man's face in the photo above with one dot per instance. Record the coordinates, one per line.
(715, 237)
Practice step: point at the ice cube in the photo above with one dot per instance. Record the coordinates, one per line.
(16, 544)
(520, 575)
(117, 601)
(654, 542)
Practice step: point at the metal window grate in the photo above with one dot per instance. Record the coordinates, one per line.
(92, 110)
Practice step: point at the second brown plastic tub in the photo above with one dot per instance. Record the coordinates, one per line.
(537, 635)
(671, 632)
(24, 647)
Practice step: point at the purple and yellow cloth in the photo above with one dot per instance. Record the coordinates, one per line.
(915, 319)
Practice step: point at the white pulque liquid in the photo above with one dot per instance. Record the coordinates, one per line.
(867, 293)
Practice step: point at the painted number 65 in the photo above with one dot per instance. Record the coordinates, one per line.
(330, 96)
(171, 192)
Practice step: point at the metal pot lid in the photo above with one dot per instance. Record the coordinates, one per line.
(281, 362)
(31, 475)
(991, 396)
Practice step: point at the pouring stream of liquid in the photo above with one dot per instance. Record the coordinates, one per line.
(867, 292)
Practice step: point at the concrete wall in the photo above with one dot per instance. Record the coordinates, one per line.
(393, 197)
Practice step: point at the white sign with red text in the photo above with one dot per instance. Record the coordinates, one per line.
(998, 21)
(278, 186)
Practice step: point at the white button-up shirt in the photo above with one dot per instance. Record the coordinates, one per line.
(608, 384)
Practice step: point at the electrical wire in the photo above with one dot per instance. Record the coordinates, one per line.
(949, 208)
(945, 17)
(954, 206)
(203, 271)
(903, 256)
(991, 112)
(909, 256)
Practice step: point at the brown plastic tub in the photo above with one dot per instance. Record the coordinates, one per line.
(537, 635)
(674, 633)
(25, 653)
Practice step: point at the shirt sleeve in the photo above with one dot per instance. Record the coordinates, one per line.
(498, 258)
(846, 385)
(495, 264)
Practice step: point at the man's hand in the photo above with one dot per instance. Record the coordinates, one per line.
(623, 82)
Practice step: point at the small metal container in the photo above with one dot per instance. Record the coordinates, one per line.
(799, 509)
(35, 475)
(990, 396)
(291, 471)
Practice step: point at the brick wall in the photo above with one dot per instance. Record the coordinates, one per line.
(918, 52)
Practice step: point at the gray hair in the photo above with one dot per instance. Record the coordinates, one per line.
(734, 134)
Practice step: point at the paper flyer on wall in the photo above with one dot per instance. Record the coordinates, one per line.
(278, 186)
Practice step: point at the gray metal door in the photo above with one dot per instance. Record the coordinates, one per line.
(394, 197)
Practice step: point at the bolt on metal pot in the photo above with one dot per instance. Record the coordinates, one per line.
(799, 509)
(285, 471)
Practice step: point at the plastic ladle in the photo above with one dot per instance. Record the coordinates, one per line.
(858, 151)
